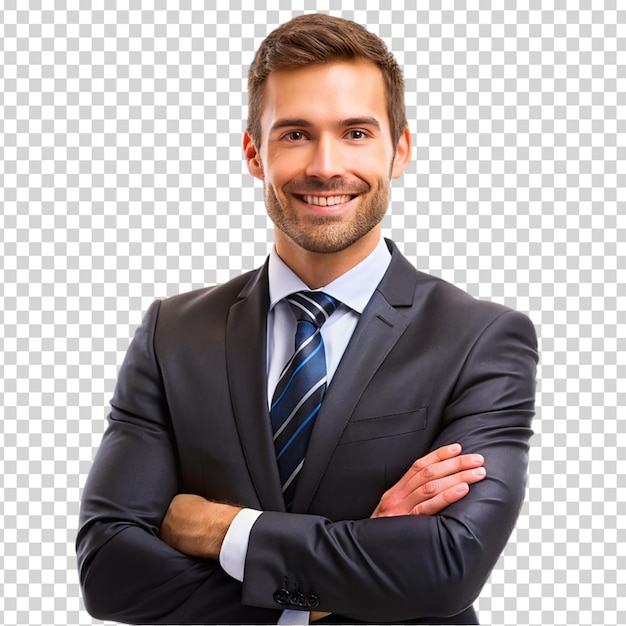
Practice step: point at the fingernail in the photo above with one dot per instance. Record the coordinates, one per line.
(477, 458)
(454, 448)
(479, 471)
(461, 488)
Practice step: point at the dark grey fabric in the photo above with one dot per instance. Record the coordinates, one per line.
(427, 365)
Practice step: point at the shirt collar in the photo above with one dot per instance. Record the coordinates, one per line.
(354, 288)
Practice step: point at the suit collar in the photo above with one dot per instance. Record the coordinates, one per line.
(246, 352)
(398, 283)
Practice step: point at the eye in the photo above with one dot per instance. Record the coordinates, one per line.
(357, 134)
(294, 135)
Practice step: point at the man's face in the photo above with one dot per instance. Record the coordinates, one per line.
(326, 157)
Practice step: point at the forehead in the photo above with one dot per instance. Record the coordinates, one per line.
(321, 93)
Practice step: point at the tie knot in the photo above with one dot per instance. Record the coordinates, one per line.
(312, 306)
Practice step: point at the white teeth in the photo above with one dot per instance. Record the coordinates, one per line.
(326, 201)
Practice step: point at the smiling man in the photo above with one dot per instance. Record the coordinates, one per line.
(336, 436)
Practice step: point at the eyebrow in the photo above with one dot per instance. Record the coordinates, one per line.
(302, 123)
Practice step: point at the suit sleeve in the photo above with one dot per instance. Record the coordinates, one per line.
(394, 569)
(126, 572)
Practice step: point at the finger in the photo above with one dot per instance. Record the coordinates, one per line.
(440, 454)
(406, 484)
(435, 488)
(413, 481)
(435, 505)
(448, 467)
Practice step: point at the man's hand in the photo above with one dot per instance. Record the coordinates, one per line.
(432, 483)
(197, 526)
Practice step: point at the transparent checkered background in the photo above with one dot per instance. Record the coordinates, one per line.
(122, 181)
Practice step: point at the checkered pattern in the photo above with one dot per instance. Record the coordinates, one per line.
(121, 180)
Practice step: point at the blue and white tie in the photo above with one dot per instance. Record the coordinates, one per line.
(301, 386)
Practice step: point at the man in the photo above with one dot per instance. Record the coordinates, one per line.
(222, 493)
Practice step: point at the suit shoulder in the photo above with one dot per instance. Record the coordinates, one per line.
(460, 307)
(207, 302)
(437, 299)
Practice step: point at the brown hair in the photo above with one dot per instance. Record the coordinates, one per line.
(316, 39)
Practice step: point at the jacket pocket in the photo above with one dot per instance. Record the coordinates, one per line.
(382, 426)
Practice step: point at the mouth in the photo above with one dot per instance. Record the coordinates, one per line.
(327, 201)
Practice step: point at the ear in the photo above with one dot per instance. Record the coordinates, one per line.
(403, 154)
(253, 160)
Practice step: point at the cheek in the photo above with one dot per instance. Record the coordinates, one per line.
(371, 163)
(281, 168)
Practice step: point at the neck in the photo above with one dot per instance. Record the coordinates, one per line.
(317, 269)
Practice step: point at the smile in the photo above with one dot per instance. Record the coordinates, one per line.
(326, 200)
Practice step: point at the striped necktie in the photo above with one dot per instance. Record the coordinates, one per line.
(301, 386)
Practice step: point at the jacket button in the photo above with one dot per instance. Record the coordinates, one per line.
(282, 596)
(296, 598)
(313, 601)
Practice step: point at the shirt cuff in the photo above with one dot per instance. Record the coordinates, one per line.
(235, 546)
(233, 559)
(293, 618)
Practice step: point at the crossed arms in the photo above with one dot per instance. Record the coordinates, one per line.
(197, 526)
(426, 550)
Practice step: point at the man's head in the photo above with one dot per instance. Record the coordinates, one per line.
(319, 39)
(327, 134)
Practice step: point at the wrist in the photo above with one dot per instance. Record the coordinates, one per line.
(218, 518)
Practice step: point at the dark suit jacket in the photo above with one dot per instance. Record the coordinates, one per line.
(427, 365)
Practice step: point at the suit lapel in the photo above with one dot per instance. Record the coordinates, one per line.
(382, 323)
(246, 338)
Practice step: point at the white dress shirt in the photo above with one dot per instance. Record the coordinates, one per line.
(353, 290)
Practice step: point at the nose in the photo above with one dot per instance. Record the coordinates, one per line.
(327, 158)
